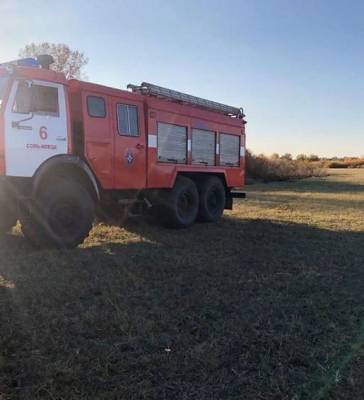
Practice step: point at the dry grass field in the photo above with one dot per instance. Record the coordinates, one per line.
(266, 304)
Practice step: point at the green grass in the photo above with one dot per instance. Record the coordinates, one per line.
(266, 304)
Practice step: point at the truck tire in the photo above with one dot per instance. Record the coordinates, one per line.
(178, 207)
(63, 218)
(8, 214)
(212, 199)
(7, 220)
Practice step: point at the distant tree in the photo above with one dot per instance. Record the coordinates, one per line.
(70, 62)
(274, 156)
(301, 157)
(313, 157)
(286, 156)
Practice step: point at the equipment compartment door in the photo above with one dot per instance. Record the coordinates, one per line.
(130, 144)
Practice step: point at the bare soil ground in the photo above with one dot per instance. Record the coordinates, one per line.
(266, 304)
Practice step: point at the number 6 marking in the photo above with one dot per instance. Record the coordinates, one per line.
(43, 133)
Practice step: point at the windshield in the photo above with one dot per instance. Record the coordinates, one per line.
(3, 82)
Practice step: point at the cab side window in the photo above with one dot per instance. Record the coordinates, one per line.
(39, 99)
(96, 107)
(127, 116)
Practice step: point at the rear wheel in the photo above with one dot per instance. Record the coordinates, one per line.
(212, 199)
(178, 207)
(62, 217)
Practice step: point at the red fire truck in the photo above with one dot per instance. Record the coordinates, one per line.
(72, 150)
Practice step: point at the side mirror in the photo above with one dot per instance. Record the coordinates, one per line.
(29, 84)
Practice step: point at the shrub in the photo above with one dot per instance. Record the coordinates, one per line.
(272, 169)
(336, 164)
(345, 163)
(301, 157)
(313, 157)
(287, 156)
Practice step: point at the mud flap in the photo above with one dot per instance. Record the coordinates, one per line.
(231, 196)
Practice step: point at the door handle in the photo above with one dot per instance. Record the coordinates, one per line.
(139, 146)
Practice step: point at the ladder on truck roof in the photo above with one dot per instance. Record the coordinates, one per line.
(161, 92)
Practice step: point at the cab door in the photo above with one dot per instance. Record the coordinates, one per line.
(35, 126)
(129, 144)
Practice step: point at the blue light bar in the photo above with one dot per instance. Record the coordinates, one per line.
(28, 62)
(23, 62)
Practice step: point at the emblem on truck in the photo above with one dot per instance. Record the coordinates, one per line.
(129, 157)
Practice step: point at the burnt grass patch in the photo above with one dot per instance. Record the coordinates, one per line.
(241, 309)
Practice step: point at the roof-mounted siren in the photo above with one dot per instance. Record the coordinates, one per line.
(45, 61)
(161, 92)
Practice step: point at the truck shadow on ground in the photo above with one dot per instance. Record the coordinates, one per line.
(238, 308)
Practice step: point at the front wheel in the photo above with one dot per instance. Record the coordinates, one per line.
(8, 213)
(63, 216)
(7, 220)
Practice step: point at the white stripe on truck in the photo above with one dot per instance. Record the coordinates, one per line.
(152, 141)
(189, 146)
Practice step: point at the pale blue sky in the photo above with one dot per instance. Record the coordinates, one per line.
(296, 66)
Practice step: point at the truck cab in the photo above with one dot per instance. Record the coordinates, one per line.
(34, 119)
